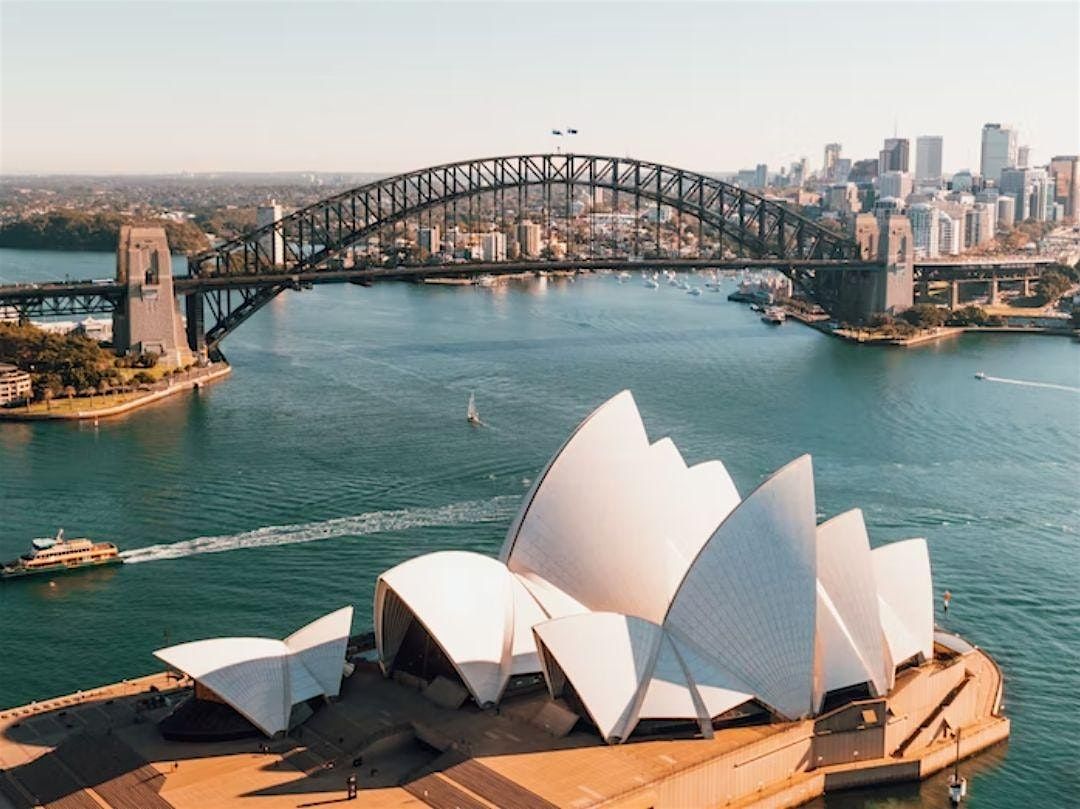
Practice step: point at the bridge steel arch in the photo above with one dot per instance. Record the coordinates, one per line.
(313, 236)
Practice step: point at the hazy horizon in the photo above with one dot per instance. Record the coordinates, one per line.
(376, 88)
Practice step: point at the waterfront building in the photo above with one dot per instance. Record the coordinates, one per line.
(925, 229)
(528, 235)
(1065, 171)
(894, 157)
(707, 606)
(928, 150)
(895, 184)
(428, 241)
(273, 244)
(262, 679)
(493, 246)
(998, 151)
(15, 384)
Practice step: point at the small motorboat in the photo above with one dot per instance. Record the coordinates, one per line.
(651, 283)
(472, 414)
(980, 375)
(695, 291)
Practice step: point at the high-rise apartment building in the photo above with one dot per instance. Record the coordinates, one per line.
(528, 234)
(428, 241)
(894, 157)
(925, 230)
(273, 243)
(928, 159)
(998, 151)
(1006, 211)
(493, 246)
(761, 175)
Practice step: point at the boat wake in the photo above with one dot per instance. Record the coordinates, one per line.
(1027, 384)
(373, 522)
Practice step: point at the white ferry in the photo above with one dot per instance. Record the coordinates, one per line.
(58, 555)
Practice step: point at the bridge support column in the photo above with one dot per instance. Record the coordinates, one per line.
(994, 294)
(1025, 287)
(150, 321)
(954, 294)
(196, 331)
(924, 291)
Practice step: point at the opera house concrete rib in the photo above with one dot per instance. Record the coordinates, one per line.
(645, 589)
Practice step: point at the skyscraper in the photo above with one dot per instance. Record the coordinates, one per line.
(928, 159)
(894, 157)
(1023, 156)
(832, 156)
(761, 175)
(1065, 172)
(273, 243)
(998, 151)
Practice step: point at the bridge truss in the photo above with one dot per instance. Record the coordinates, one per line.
(312, 238)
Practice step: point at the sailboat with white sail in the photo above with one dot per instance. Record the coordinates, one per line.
(472, 414)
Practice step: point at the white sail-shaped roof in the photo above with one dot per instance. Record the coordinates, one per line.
(852, 647)
(609, 659)
(656, 594)
(749, 599)
(613, 522)
(472, 607)
(262, 678)
(906, 598)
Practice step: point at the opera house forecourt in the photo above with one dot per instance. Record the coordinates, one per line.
(647, 637)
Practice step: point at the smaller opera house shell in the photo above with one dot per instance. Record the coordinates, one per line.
(648, 593)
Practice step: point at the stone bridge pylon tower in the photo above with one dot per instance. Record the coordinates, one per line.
(150, 321)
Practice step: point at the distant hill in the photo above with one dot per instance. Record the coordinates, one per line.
(74, 230)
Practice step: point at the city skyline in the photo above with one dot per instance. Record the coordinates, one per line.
(214, 85)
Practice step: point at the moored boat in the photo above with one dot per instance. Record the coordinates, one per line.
(59, 555)
(774, 315)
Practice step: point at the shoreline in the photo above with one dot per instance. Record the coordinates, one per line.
(212, 373)
(928, 336)
(510, 757)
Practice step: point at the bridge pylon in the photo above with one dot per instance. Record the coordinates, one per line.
(149, 321)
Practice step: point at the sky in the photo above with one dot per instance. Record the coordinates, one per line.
(162, 87)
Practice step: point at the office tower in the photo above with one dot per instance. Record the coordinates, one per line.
(894, 157)
(1065, 172)
(895, 184)
(928, 159)
(1006, 211)
(761, 175)
(998, 151)
(832, 156)
(1023, 156)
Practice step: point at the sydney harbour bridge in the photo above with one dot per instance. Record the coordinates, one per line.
(735, 228)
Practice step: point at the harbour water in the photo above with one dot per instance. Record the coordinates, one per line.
(339, 447)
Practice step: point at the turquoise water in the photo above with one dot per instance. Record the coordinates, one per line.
(339, 447)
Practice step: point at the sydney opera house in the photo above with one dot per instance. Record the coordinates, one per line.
(646, 636)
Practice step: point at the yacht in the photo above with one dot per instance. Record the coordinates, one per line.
(980, 375)
(651, 283)
(56, 554)
(695, 291)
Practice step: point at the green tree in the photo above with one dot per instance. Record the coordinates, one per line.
(1051, 286)
(925, 316)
